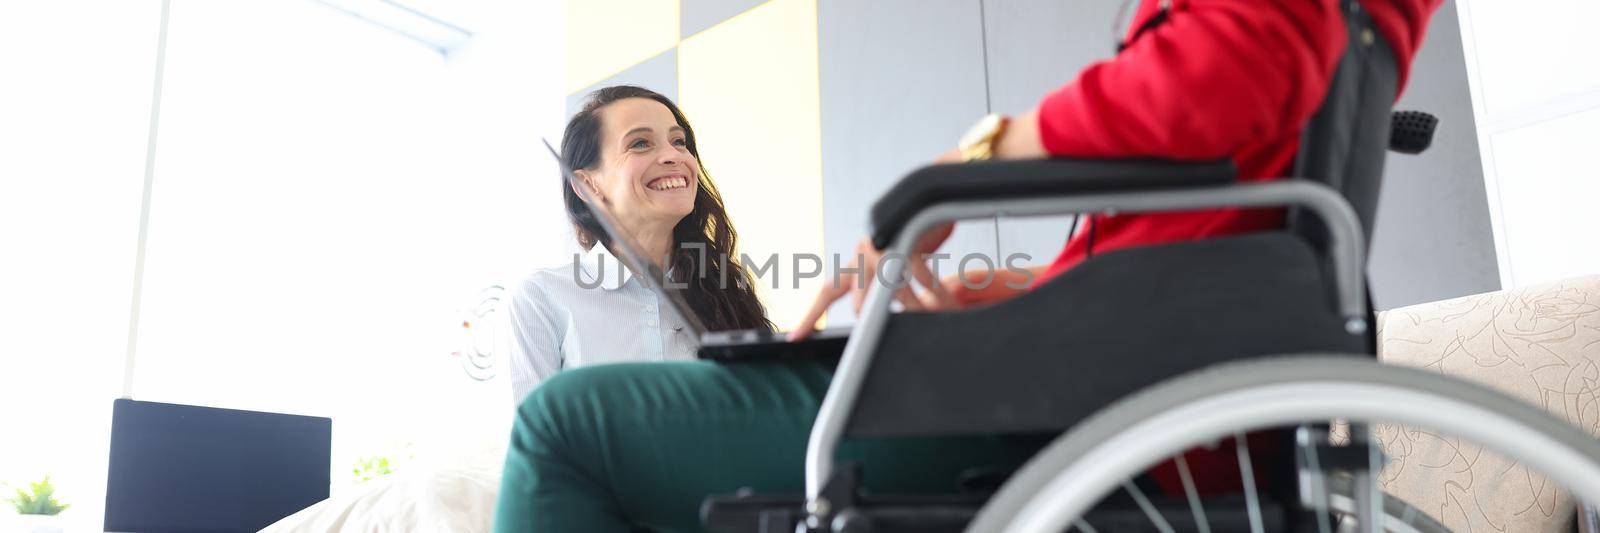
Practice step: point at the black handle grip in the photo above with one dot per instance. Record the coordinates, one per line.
(994, 180)
(1411, 132)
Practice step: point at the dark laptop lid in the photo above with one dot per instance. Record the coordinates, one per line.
(180, 468)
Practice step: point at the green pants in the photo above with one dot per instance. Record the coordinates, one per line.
(629, 447)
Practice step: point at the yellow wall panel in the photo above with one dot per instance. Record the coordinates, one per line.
(606, 36)
(749, 86)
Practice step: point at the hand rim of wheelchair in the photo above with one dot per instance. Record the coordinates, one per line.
(1069, 476)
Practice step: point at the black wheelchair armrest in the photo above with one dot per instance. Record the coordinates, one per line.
(994, 180)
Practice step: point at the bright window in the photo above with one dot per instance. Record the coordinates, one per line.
(331, 201)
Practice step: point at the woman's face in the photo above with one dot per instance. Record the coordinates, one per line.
(646, 172)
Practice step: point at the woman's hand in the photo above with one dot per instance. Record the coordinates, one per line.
(976, 288)
(865, 269)
(1020, 140)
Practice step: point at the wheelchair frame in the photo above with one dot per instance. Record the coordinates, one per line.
(1348, 252)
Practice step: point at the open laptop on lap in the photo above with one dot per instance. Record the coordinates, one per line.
(733, 345)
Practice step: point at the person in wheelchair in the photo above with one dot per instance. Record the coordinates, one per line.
(639, 447)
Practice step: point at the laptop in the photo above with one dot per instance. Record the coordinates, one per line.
(182, 468)
(732, 345)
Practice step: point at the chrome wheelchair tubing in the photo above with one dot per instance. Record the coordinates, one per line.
(1346, 239)
(1399, 517)
(846, 385)
(1346, 247)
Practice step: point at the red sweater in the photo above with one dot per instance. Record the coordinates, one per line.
(1221, 78)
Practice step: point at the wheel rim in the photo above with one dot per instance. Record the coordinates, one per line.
(1070, 476)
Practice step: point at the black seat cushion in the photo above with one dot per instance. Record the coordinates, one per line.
(1097, 333)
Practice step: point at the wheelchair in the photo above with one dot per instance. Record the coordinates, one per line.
(1129, 360)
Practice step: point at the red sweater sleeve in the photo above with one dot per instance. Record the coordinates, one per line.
(1218, 75)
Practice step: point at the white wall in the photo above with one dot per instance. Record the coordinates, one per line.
(1536, 90)
(329, 199)
(73, 110)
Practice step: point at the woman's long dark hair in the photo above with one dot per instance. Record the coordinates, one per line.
(720, 291)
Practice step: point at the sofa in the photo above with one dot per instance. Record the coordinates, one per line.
(1540, 344)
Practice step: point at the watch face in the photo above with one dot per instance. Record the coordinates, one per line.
(980, 131)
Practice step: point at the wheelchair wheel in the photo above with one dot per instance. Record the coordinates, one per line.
(1065, 480)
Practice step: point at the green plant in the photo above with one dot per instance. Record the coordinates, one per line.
(40, 501)
(370, 468)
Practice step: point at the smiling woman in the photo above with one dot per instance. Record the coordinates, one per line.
(634, 150)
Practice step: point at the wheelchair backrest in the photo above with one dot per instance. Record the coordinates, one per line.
(1345, 143)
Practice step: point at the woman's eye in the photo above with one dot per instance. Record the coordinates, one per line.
(641, 143)
(680, 142)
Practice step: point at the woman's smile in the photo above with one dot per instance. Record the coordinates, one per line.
(669, 182)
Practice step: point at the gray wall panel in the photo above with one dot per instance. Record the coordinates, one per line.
(900, 81)
(696, 16)
(659, 74)
(1433, 238)
(1035, 46)
(1038, 45)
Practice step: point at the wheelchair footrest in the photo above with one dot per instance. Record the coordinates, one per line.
(755, 513)
(751, 513)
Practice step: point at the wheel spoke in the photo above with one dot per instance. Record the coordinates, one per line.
(1194, 496)
(1149, 510)
(1252, 500)
(1319, 488)
(1369, 500)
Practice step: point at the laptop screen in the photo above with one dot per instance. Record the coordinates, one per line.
(182, 468)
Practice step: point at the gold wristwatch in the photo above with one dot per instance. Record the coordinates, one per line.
(978, 143)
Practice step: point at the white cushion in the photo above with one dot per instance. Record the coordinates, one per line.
(458, 496)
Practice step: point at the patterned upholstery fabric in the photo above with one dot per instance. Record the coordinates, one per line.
(1540, 344)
